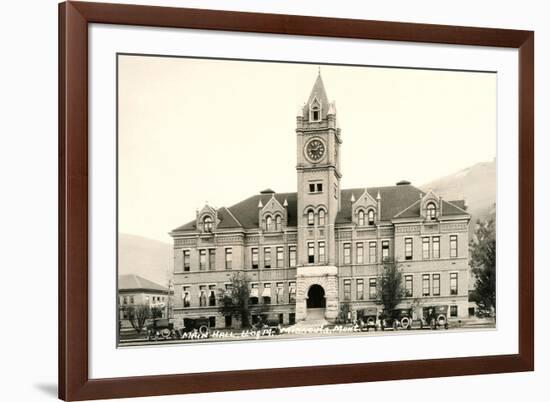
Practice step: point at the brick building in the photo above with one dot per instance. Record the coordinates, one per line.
(309, 251)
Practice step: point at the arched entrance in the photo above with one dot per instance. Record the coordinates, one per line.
(316, 297)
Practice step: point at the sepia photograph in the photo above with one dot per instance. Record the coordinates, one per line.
(270, 200)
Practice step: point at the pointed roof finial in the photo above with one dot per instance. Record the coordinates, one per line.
(378, 196)
(285, 203)
(260, 205)
(352, 199)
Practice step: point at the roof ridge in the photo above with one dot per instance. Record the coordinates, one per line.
(233, 216)
(409, 207)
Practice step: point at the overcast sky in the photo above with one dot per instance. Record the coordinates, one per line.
(192, 131)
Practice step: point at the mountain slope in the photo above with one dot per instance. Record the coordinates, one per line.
(150, 259)
(476, 185)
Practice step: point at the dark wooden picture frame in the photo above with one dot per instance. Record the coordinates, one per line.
(74, 381)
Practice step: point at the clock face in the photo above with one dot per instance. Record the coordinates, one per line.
(315, 150)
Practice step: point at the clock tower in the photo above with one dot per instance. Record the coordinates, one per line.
(318, 169)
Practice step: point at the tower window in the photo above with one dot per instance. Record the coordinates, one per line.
(315, 112)
(321, 217)
(310, 218)
(311, 187)
(292, 256)
(311, 253)
(319, 187)
(322, 252)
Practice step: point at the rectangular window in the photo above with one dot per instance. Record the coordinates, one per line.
(186, 260)
(266, 295)
(347, 253)
(315, 187)
(372, 288)
(435, 247)
(280, 292)
(202, 260)
(212, 295)
(454, 311)
(228, 258)
(292, 256)
(321, 252)
(385, 250)
(280, 257)
(267, 257)
(311, 253)
(255, 258)
(347, 289)
(359, 253)
(408, 286)
(202, 296)
(211, 259)
(372, 252)
(453, 246)
(360, 289)
(425, 285)
(131, 299)
(425, 248)
(408, 248)
(292, 292)
(186, 296)
(454, 283)
(436, 284)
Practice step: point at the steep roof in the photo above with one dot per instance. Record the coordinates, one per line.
(136, 282)
(400, 201)
(318, 91)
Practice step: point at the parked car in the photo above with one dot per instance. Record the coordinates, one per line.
(161, 329)
(367, 318)
(435, 317)
(268, 327)
(402, 318)
(199, 325)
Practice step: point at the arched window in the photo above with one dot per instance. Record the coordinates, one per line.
(321, 217)
(361, 218)
(310, 218)
(207, 224)
(268, 224)
(278, 221)
(430, 211)
(370, 216)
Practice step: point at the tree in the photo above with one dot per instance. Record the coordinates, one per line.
(483, 264)
(389, 287)
(234, 301)
(138, 315)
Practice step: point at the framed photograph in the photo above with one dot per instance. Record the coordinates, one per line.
(263, 200)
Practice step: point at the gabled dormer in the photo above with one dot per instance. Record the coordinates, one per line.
(430, 206)
(364, 210)
(207, 219)
(272, 216)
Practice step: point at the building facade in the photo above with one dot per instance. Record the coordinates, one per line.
(133, 290)
(312, 251)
